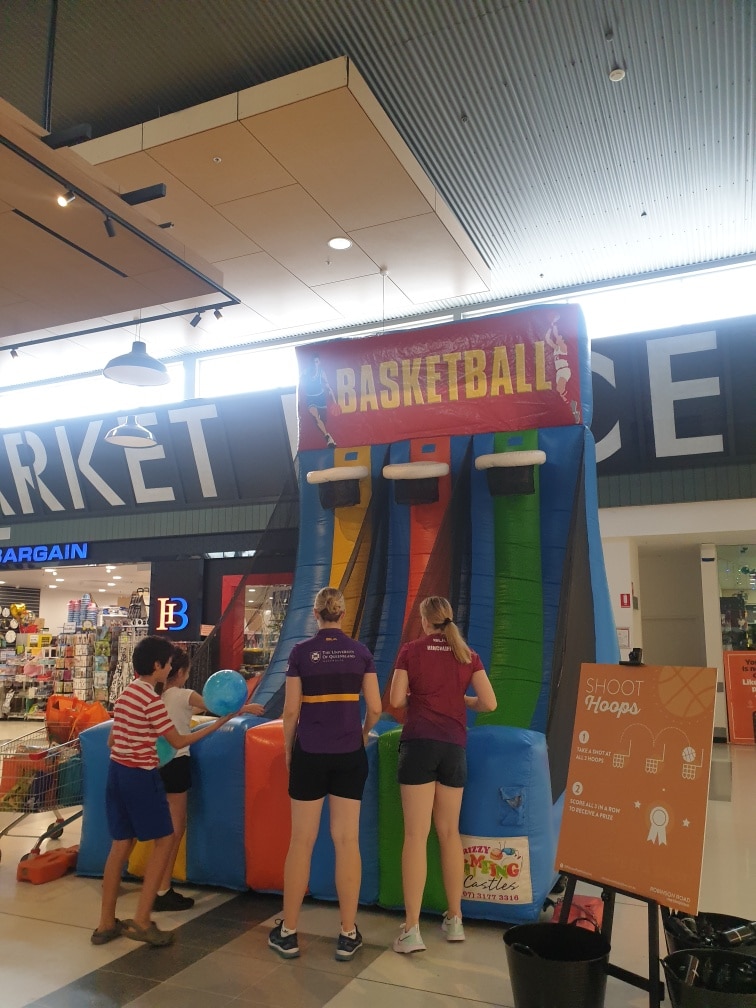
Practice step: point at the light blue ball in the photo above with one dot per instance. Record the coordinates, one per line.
(165, 751)
(225, 692)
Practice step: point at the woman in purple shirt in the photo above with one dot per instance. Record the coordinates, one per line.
(325, 741)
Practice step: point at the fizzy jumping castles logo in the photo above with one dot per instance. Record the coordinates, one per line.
(497, 869)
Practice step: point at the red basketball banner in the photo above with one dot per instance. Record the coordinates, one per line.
(515, 371)
(638, 783)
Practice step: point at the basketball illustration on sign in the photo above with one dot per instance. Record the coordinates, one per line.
(685, 693)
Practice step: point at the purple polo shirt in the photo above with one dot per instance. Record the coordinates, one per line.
(330, 666)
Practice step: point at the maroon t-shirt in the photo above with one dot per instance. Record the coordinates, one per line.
(437, 684)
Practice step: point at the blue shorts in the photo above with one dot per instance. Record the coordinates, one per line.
(135, 804)
(422, 761)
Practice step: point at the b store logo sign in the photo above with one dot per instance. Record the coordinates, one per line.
(172, 613)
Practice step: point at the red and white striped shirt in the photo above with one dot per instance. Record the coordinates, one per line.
(139, 718)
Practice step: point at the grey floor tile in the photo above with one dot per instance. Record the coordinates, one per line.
(224, 973)
(96, 990)
(303, 988)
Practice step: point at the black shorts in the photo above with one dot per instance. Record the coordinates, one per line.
(422, 761)
(314, 775)
(177, 775)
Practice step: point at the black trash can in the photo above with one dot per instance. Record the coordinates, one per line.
(556, 966)
(710, 978)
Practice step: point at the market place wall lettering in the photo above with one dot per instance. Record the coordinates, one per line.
(204, 456)
(675, 398)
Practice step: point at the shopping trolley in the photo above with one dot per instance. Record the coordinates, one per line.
(37, 776)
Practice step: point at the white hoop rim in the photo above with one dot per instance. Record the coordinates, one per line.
(338, 474)
(415, 470)
(509, 460)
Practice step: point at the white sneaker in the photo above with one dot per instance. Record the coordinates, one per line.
(452, 928)
(409, 941)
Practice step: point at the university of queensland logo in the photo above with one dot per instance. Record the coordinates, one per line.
(172, 614)
(315, 656)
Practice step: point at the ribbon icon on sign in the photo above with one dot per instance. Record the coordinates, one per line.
(658, 818)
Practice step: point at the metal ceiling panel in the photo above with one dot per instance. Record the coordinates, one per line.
(560, 177)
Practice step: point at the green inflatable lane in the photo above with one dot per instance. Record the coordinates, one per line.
(517, 645)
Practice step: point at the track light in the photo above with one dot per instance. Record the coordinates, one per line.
(218, 313)
(66, 198)
(110, 227)
(130, 435)
(196, 320)
(14, 353)
(136, 368)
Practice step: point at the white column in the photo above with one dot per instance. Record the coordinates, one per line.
(713, 632)
(621, 562)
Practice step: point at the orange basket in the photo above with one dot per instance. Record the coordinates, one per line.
(66, 716)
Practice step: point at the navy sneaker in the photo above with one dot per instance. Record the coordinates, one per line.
(286, 945)
(346, 946)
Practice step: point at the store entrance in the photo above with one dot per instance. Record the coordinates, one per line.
(67, 630)
(254, 606)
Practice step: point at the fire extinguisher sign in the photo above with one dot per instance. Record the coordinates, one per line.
(625, 601)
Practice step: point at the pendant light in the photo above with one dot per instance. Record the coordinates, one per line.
(130, 435)
(137, 367)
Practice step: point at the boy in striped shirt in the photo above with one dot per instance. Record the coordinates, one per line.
(136, 805)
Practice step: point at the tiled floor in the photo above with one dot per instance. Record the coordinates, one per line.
(221, 958)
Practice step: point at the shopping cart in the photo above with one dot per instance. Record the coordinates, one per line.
(37, 776)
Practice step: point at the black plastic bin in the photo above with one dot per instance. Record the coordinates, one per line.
(556, 966)
(710, 978)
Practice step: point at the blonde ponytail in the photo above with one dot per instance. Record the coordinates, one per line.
(437, 611)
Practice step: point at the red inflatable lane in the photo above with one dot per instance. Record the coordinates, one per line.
(267, 816)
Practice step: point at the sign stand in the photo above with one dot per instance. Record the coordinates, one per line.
(651, 983)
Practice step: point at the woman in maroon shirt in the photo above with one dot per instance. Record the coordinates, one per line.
(431, 679)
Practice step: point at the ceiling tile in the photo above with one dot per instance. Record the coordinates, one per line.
(355, 177)
(244, 166)
(422, 259)
(275, 293)
(294, 229)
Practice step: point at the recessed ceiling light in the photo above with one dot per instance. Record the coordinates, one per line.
(52, 586)
(616, 74)
(339, 243)
(117, 577)
(60, 579)
(101, 589)
(111, 584)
